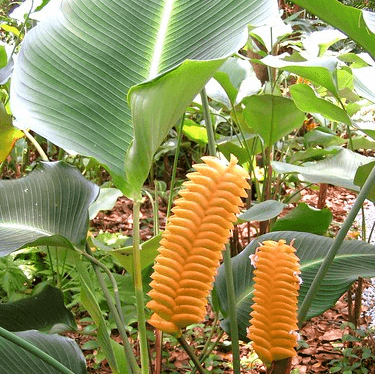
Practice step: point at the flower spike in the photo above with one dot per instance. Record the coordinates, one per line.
(192, 243)
(273, 323)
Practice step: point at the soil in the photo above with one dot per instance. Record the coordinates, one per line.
(321, 335)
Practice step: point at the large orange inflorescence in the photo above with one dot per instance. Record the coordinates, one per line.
(192, 243)
(274, 317)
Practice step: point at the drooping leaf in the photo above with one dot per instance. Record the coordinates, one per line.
(47, 207)
(361, 176)
(321, 70)
(313, 154)
(306, 219)
(272, 117)
(262, 211)
(238, 80)
(16, 360)
(338, 170)
(149, 251)
(71, 86)
(364, 82)
(355, 258)
(40, 312)
(347, 19)
(323, 137)
(306, 100)
(106, 201)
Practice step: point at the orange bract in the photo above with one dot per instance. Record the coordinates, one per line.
(192, 243)
(274, 317)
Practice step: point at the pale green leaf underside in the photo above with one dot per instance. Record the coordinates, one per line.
(355, 258)
(338, 170)
(74, 71)
(49, 206)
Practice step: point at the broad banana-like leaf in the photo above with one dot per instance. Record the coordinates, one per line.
(338, 170)
(74, 72)
(39, 312)
(351, 21)
(355, 259)
(15, 360)
(47, 207)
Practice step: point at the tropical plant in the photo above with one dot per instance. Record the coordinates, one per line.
(108, 80)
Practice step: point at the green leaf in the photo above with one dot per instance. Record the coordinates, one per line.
(355, 258)
(318, 70)
(262, 211)
(91, 305)
(232, 145)
(318, 42)
(338, 170)
(361, 176)
(272, 117)
(306, 100)
(47, 207)
(362, 142)
(347, 19)
(149, 251)
(322, 136)
(364, 82)
(39, 312)
(313, 154)
(16, 360)
(72, 77)
(106, 201)
(237, 78)
(306, 219)
(195, 132)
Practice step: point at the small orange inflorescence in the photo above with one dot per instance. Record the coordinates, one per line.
(192, 243)
(273, 324)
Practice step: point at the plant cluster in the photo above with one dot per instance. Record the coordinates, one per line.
(115, 95)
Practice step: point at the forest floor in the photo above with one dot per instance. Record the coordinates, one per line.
(322, 335)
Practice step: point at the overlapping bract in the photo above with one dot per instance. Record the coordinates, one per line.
(274, 317)
(192, 243)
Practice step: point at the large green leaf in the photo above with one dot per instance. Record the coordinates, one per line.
(75, 70)
(306, 219)
(345, 18)
(272, 117)
(306, 100)
(355, 258)
(320, 70)
(39, 312)
(47, 207)
(338, 170)
(16, 360)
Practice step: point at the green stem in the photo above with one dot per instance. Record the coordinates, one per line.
(191, 354)
(175, 162)
(36, 145)
(34, 350)
(227, 257)
(314, 288)
(209, 126)
(114, 309)
(142, 332)
(232, 310)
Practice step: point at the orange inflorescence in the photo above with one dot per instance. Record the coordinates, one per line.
(274, 317)
(192, 243)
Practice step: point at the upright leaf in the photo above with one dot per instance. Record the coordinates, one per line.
(272, 117)
(75, 70)
(47, 207)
